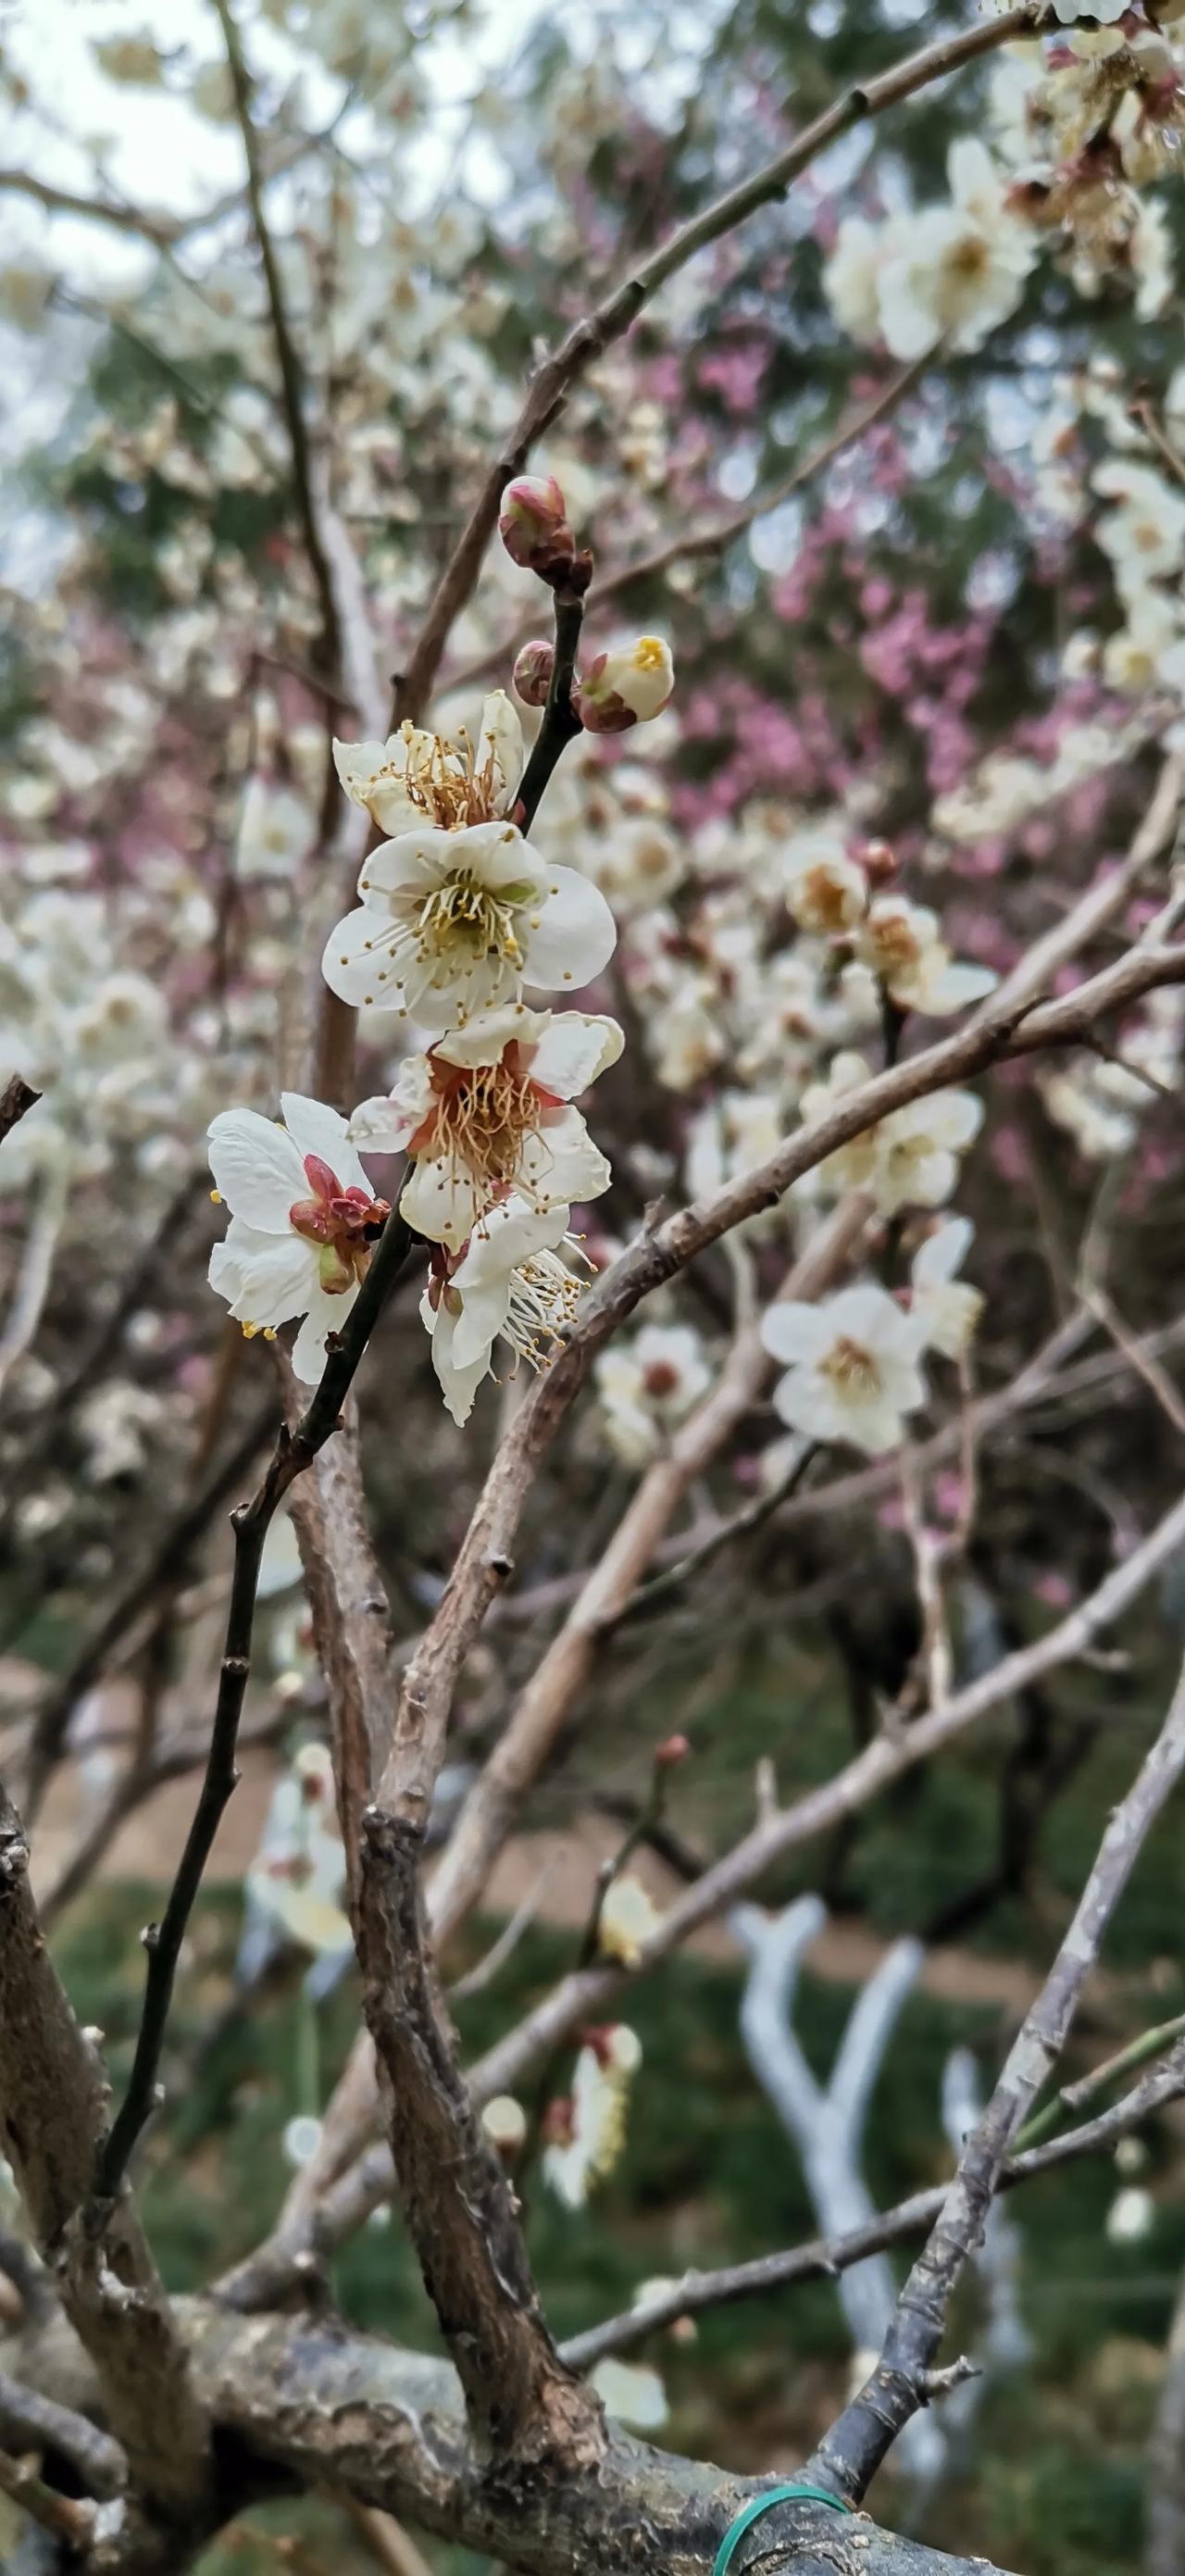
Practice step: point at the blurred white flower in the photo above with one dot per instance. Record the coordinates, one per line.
(277, 830)
(593, 2121)
(946, 1309)
(1131, 2216)
(646, 1386)
(901, 944)
(853, 1371)
(627, 1918)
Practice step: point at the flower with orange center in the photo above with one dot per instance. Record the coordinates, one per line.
(488, 1110)
(303, 1221)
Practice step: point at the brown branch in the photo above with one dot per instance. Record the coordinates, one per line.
(588, 339)
(52, 2111)
(484, 1561)
(291, 380)
(583, 1997)
(855, 2447)
(455, 2197)
(542, 1709)
(31, 2422)
(294, 1451)
(715, 539)
(825, 2256)
(16, 1100)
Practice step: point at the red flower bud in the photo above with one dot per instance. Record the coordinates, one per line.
(878, 860)
(534, 523)
(674, 1748)
(532, 673)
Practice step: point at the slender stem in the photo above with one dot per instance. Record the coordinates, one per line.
(561, 724)
(824, 2256)
(1148, 2043)
(654, 1595)
(286, 354)
(588, 339)
(70, 2522)
(294, 1451)
(857, 2445)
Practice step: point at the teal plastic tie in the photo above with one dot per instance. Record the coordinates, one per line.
(758, 2505)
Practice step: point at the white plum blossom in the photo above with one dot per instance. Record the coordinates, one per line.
(626, 1920)
(901, 944)
(298, 1875)
(506, 1282)
(457, 911)
(947, 1309)
(587, 2138)
(908, 1158)
(954, 272)
(303, 1221)
(488, 1110)
(1145, 535)
(648, 1385)
(1131, 2216)
(825, 889)
(277, 830)
(626, 685)
(853, 1367)
(851, 278)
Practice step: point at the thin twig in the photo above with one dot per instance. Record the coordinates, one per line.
(715, 539)
(286, 354)
(823, 2257)
(68, 2521)
(1072, 2097)
(31, 2422)
(560, 723)
(848, 2457)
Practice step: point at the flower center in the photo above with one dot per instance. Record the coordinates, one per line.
(482, 1115)
(343, 1223)
(660, 1379)
(451, 788)
(851, 1368)
(826, 897)
(543, 1300)
(461, 913)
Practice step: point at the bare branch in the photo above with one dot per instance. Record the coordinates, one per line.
(822, 2257)
(30, 2422)
(294, 1451)
(850, 2454)
(52, 2109)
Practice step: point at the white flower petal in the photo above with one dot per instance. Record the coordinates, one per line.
(441, 1201)
(325, 1315)
(943, 1253)
(317, 1129)
(577, 933)
(257, 1169)
(793, 1331)
(573, 1049)
(265, 1278)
